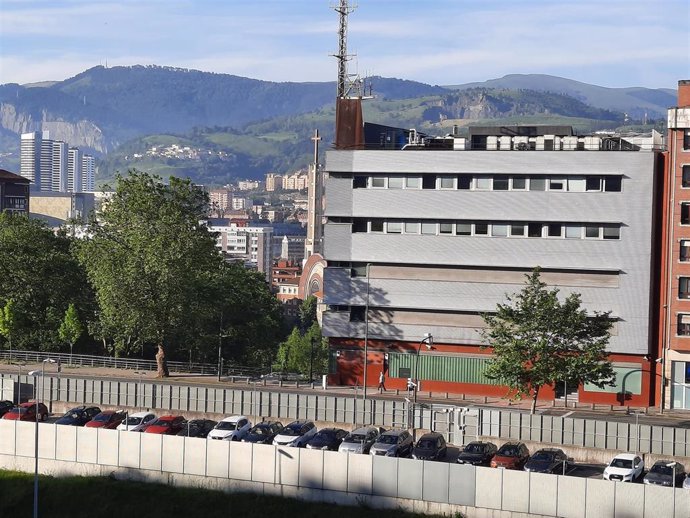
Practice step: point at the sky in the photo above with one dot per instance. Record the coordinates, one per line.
(613, 43)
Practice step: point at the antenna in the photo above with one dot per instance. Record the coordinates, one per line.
(343, 9)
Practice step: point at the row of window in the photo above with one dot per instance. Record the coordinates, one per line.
(491, 183)
(492, 229)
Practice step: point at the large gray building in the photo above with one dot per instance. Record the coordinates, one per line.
(450, 226)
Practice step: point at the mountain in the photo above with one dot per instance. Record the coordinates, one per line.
(634, 101)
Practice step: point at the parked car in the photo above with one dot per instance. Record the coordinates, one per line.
(232, 428)
(27, 412)
(5, 406)
(512, 455)
(430, 446)
(626, 467)
(79, 416)
(166, 425)
(197, 428)
(137, 422)
(263, 433)
(327, 439)
(109, 419)
(662, 474)
(547, 460)
(297, 433)
(360, 440)
(477, 453)
(393, 443)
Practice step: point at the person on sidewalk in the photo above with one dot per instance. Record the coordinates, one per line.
(382, 383)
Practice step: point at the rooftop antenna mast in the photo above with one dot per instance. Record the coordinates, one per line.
(343, 9)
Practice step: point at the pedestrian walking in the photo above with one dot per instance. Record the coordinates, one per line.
(382, 383)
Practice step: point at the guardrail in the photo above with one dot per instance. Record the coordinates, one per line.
(84, 360)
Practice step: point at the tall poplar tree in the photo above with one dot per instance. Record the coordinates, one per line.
(538, 340)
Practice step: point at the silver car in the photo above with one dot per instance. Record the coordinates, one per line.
(360, 440)
(393, 443)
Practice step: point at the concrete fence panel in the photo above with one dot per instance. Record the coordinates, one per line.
(287, 464)
(172, 452)
(359, 472)
(629, 499)
(24, 438)
(335, 471)
(240, 459)
(66, 443)
(600, 498)
(195, 456)
(130, 449)
(681, 500)
(264, 468)
(543, 494)
(572, 501)
(108, 446)
(487, 482)
(410, 473)
(385, 476)
(435, 478)
(217, 458)
(311, 468)
(46, 441)
(515, 491)
(658, 501)
(461, 482)
(8, 437)
(151, 451)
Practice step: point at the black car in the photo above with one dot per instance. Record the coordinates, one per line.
(197, 428)
(477, 453)
(5, 406)
(327, 439)
(431, 446)
(547, 460)
(662, 473)
(79, 416)
(263, 433)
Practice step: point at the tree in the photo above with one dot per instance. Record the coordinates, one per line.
(39, 273)
(7, 322)
(70, 328)
(307, 312)
(538, 340)
(304, 353)
(152, 261)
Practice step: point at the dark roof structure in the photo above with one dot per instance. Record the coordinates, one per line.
(6, 175)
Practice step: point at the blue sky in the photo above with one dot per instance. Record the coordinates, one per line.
(605, 42)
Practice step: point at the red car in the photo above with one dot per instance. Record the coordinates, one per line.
(512, 455)
(27, 412)
(107, 419)
(167, 425)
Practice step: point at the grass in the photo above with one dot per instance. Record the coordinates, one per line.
(75, 497)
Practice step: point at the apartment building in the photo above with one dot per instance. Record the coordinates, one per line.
(674, 354)
(424, 235)
(274, 182)
(242, 242)
(14, 193)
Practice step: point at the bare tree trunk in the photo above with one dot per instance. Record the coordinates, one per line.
(161, 362)
(534, 399)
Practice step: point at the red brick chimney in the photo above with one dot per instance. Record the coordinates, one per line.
(683, 93)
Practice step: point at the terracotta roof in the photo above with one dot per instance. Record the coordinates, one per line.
(6, 175)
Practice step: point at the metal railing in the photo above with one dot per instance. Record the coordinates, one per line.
(85, 360)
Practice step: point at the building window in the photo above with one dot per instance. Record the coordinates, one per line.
(483, 183)
(685, 250)
(501, 183)
(378, 182)
(481, 229)
(686, 143)
(556, 184)
(394, 227)
(686, 176)
(517, 230)
(413, 182)
(684, 288)
(429, 181)
(534, 230)
(593, 184)
(359, 225)
(555, 230)
(683, 325)
(685, 213)
(519, 183)
(463, 229)
(359, 182)
(445, 228)
(395, 182)
(577, 184)
(429, 228)
(537, 184)
(592, 232)
(412, 227)
(465, 182)
(573, 232)
(376, 225)
(499, 230)
(446, 182)
(357, 314)
(612, 184)
(612, 232)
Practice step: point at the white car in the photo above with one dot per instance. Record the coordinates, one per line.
(626, 467)
(297, 433)
(137, 422)
(232, 428)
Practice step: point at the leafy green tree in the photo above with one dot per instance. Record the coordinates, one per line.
(39, 273)
(538, 340)
(152, 262)
(303, 352)
(71, 328)
(307, 312)
(7, 322)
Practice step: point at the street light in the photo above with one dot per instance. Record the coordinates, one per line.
(36, 401)
(673, 484)
(427, 341)
(140, 374)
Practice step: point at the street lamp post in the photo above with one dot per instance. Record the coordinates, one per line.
(220, 346)
(139, 395)
(35, 373)
(673, 484)
(427, 341)
(366, 348)
(311, 360)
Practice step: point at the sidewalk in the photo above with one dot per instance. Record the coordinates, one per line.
(678, 418)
